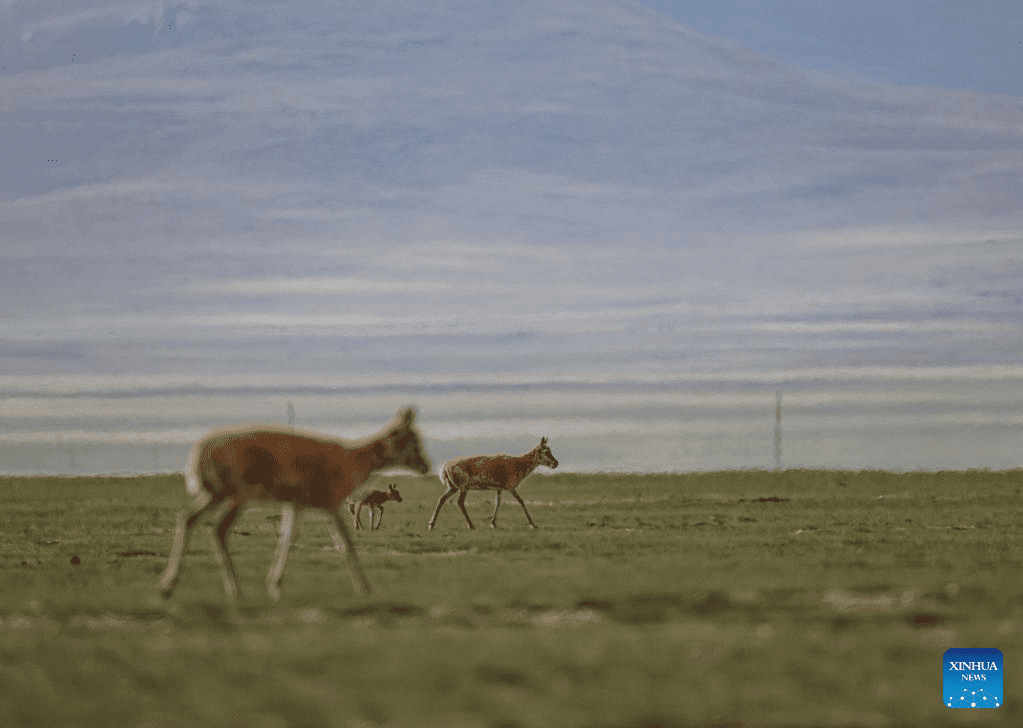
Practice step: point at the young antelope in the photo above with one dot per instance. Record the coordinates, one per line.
(375, 500)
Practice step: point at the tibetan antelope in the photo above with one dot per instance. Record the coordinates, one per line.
(300, 469)
(374, 500)
(491, 472)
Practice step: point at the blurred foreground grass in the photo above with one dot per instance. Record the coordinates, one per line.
(799, 598)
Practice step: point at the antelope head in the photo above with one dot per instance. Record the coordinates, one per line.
(406, 444)
(544, 456)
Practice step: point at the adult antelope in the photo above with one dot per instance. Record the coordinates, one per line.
(491, 472)
(374, 500)
(300, 469)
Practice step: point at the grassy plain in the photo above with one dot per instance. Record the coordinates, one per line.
(795, 598)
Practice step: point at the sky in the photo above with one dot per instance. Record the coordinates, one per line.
(610, 222)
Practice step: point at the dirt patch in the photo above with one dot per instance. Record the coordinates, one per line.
(567, 617)
(483, 617)
(924, 620)
(502, 676)
(713, 604)
(597, 501)
(844, 601)
(281, 617)
(114, 623)
(18, 621)
(434, 554)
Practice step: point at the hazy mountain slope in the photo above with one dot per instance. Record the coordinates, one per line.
(380, 103)
(935, 43)
(629, 172)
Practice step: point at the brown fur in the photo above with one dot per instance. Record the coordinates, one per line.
(375, 500)
(297, 469)
(491, 472)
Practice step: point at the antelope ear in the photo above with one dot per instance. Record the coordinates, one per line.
(543, 440)
(408, 417)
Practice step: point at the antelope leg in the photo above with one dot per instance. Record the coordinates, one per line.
(343, 542)
(461, 504)
(276, 574)
(447, 494)
(221, 554)
(497, 504)
(523, 504)
(186, 521)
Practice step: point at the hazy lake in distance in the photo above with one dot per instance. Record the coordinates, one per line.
(629, 422)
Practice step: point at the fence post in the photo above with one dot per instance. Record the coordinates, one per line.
(777, 432)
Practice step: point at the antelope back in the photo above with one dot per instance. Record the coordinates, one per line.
(270, 464)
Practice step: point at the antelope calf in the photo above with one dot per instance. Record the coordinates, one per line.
(299, 469)
(375, 500)
(491, 472)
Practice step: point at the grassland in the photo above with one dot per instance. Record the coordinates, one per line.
(799, 598)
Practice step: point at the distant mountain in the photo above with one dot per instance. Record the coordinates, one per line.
(934, 43)
(385, 104)
(209, 169)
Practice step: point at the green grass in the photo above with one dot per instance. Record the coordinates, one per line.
(673, 600)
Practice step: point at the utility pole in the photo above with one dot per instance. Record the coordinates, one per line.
(291, 416)
(777, 432)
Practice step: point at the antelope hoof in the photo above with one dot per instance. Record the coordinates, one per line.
(167, 589)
